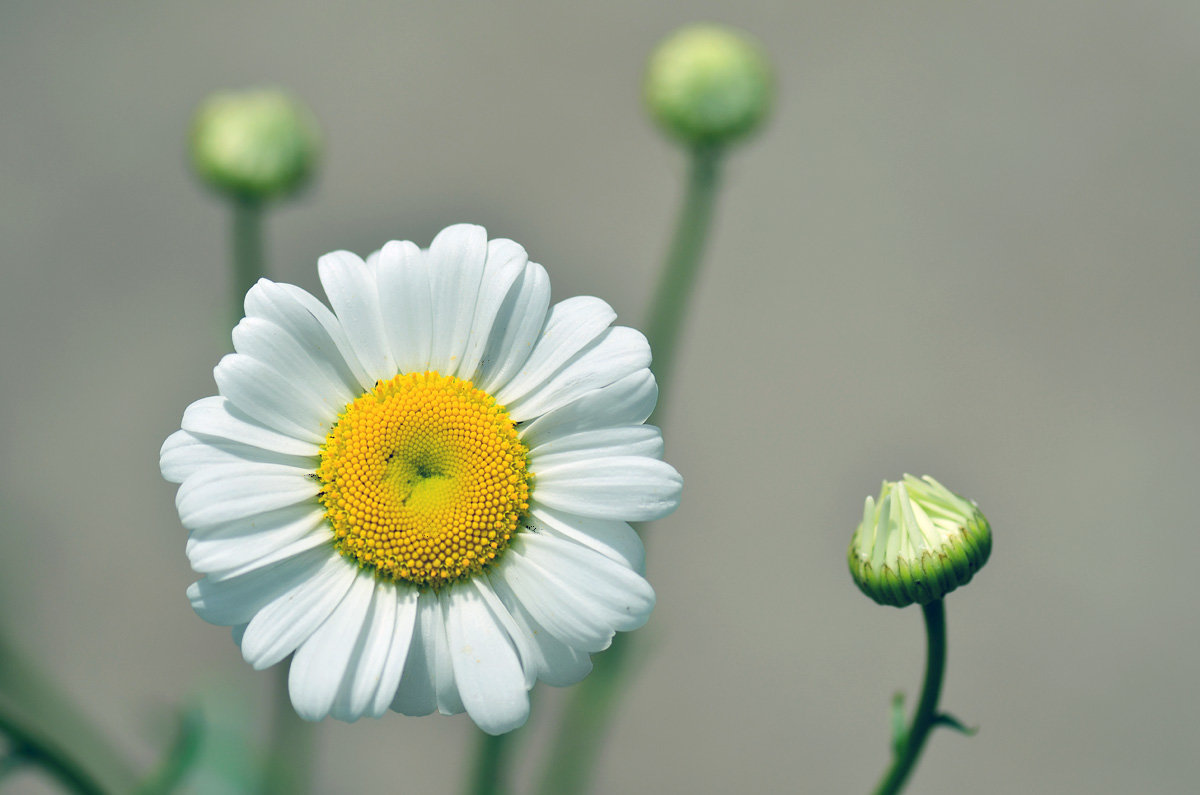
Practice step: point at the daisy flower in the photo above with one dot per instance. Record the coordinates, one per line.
(423, 495)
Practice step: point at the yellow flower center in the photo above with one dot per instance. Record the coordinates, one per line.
(425, 480)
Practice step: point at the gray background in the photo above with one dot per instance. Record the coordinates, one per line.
(966, 246)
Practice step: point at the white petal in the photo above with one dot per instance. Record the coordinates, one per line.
(554, 662)
(505, 262)
(225, 493)
(526, 653)
(448, 699)
(322, 661)
(370, 654)
(311, 323)
(570, 327)
(628, 401)
(417, 694)
(184, 454)
(627, 488)
(235, 601)
(518, 324)
(613, 539)
(290, 619)
(552, 603)
(456, 262)
(261, 391)
(261, 339)
(628, 440)
(487, 671)
(354, 295)
(406, 303)
(616, 353)
(232, 544)
(611, 590)
(402, 639)
(216, 416)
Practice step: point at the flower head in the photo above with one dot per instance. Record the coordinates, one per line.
(255, 144)
(423, 494)
(917, 543)
(708, 84)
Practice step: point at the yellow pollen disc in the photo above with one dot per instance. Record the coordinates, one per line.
(425, 480)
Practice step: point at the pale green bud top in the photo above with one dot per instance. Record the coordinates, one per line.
(708, 84)
(255, 144)
(917, 543)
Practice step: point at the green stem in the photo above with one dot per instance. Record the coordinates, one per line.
(491, 765)
(678, 279)
(289, 755)
(25, 691)
(589, 712)
(35, 747)
(247, 253)
(289, 762)
(925, 718)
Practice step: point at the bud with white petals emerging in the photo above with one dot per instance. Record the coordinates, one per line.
(917, 542)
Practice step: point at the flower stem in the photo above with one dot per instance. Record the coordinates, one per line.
(908, 749)
(247, 252)
(588, 713)
(491, 765)
(290, 756)
(33, 746)
(678, 278)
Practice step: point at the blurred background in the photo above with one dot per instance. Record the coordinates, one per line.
(967, 245)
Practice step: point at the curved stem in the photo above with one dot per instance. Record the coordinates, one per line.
(587, 715)
(25, 690)
(491, 765)
(32, 745)
(925, 718)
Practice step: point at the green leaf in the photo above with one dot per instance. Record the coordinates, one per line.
(899, 723)
(951, 722)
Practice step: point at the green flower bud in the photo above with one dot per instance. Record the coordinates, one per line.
(707, 84)
(254, 144)
(918, 543)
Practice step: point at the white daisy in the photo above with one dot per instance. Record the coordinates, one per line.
(423, 495)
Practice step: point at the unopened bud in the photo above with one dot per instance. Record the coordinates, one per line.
(256, 144)
(708, 84)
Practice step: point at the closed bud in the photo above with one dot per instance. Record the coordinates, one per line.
(708, 84)
(917, 542)
(256, 144)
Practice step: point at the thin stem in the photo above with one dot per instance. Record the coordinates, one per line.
(678, 279)
(37, 748)
(925, 718)
(247, 252)
(290, 756)
(587, 715)
(491, 765)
